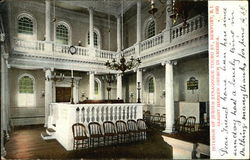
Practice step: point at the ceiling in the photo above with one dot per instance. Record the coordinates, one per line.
(112, 7)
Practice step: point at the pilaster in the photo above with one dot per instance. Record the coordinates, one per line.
(91, 85)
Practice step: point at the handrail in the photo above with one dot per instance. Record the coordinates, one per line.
(151, 42)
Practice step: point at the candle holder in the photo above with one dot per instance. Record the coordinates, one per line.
(72, 86)
(109, 79)
(139, 93)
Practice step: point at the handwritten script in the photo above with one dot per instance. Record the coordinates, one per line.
(229, 88)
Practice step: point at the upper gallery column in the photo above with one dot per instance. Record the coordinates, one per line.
(91, 85)
(168, 20)
(119, 86)
(138, 37)
(118, 33)
(91, 28)
(47, 20)
(169, 99)
(139, 84)
(48, 94)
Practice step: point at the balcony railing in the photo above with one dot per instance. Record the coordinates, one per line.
(197, 27)
(194, 24)
(129, 51)
(151, 42)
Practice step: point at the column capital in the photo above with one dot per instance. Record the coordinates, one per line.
(91, 9)
(171, 62)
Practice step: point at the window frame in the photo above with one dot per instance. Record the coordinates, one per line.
(146, 25)
(99, 39)
(31, 95)
(69, 32)
(23, 35)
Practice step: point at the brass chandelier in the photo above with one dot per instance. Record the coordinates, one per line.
(123, 65)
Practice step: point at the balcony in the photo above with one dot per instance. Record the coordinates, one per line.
(170, 44)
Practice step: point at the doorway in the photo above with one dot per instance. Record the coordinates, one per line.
(63, 94)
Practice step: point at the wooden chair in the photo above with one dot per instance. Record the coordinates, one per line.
(163, 121)
(147, 117)
(122, 131)
(142, 128)
(133, 130)
(156, 118)
(95, 134)
(80, 136)
(180, 123)
(190, 124)
(109, 133)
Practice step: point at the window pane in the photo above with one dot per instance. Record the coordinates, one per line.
(26, 85)
(25, 26)
(62, 34)
(151, 85)
(95, 39)
(96, 88)
(151, 29)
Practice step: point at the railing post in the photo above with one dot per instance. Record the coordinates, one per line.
(48, 47)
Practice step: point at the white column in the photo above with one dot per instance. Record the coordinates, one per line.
(76, 91)
(169, 99)
(91, 85)
(119, 86)
(48, 94)
(138, 22)
(3, 103)
(47, 20)
(91, 28)
(168, 21)
(139, 79)
(118, 33)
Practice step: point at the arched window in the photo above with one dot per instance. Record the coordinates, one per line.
(97, 38)
(26, 92)
(62, 34)
(149, 28)
(150, 89)
(26, 26)
(98, 86)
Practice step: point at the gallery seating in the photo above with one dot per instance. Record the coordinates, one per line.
(122, 131)
(190, 124)
(133, 130)
(95, 134)
(110, 134)
(180, 123)
(80, 136)
(142, 128)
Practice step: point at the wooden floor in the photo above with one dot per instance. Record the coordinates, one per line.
(26, 143)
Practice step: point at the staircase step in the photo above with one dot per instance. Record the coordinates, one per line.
(46, 136)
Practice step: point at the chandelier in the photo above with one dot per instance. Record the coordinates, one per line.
(122, 64)
(109, 79)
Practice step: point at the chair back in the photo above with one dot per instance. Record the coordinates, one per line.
(191, 121)
(156, 117)
(182, 120)
(132, 125)
(79, 130)
(109, 127)
(141, 124)
(163, 118)
(121, 126)
(95, 128)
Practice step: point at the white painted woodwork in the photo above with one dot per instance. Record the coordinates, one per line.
(64, 115)
(91, 85)
(169, 97)
(138, 24)
(48, 20)
(48, 94)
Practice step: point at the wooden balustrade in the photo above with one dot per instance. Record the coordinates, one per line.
(62, 116)
(151, 42)
(129, 51)
(194, 24)
(105, 54)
